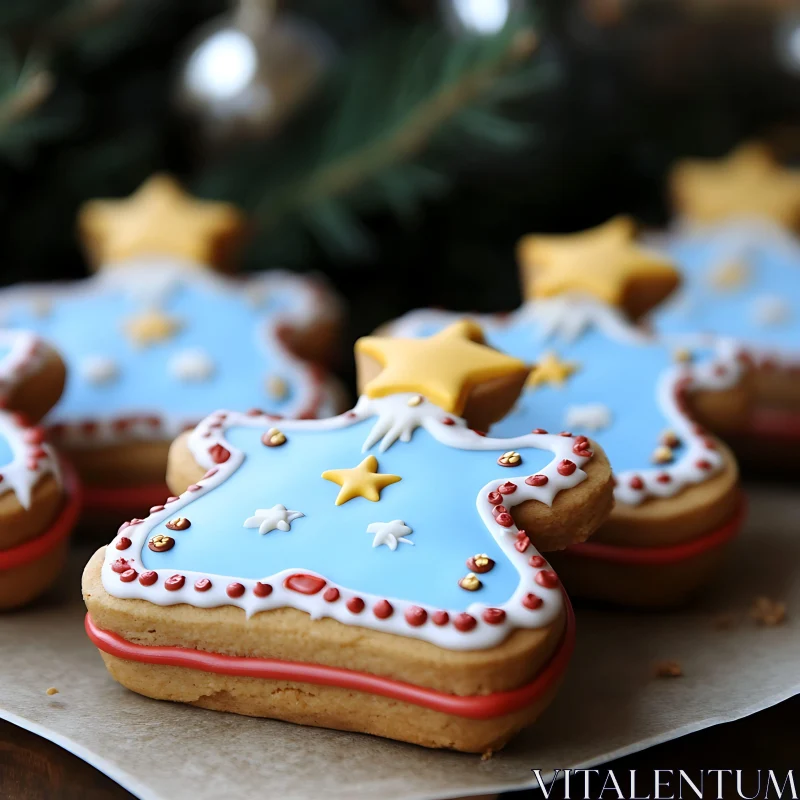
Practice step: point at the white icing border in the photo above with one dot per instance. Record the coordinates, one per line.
(394, 416)
(32, 457)
(569, 317)
(315, 303)
(737, 236)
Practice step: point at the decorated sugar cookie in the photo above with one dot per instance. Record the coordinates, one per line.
(38, 495)
(737, 247)
(387, 560)
(156, 339)
(594, 373)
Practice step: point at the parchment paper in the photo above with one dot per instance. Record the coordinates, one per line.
(610, 705)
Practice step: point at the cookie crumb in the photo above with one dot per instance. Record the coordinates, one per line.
(668, 669)
(768, 612)
(51, 691)
(487, 754)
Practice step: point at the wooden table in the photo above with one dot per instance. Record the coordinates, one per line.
(32, 768)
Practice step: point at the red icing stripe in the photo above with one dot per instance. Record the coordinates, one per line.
(784, 426)
(58, 531)
(486, 706)
(671, 554)
(104, 498)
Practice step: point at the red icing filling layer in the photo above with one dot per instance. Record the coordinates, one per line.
(485, 706)
(671, 554)
(56, 533)
(133, 498)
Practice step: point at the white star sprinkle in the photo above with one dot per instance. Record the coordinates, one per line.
(192, 365)
(389, 533)
(276, 518)
(591, 417)
(770, 310)
(98, 369)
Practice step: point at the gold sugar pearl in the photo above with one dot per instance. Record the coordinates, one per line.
(277, 388)
(670, 439)
(415, 400)
(683, 356)
(511, 458)
(471, 582)
(663, 455)
(273, 438)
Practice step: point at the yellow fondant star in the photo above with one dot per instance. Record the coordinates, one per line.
(361, 481)
(444, 368)
(151, 327)
(551, 370)
(160, 219)
(604, 262)
(749, 182)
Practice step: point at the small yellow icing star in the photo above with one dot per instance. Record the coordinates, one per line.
(151, 327)
(361, 481)
(729, 275)
(551, 370)
(160, 219)
(748, 182)
(444, 367)
(604, 262)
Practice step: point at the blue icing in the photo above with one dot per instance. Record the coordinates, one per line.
(6, 453)
(773, 271)
(224, 324)
(620, 375)
(436, 498)
(5, 349)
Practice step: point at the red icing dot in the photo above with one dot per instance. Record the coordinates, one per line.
(464, 622)
(480, 433)
(263, 589)
(128, 576)
(254, 412)
(154, 509)
(636, 483)
(703, 464)
(439, 618)
(536, 480)
(211, 473)
(123, 543)
(355, 605)
(499, 510)
(383, 609)
(547, 578)
(148, 578)
(566, 467)
(710, 444)
(720, 370)
(219, 454)
(202, 584)
(304, 584)
(582, 449)
(537, 561)
(448, 421)
(538, 430)
(532, 601)
(120, 565)
(494, 616)
(581, 440)
(172, 499)
(331, 595)
(122, 527)
(193, 488)
(663, 477)
(505, 520)
(34, 435)
(507, 488)
(523, 542)
(234, 590)
(173, 583)
(495, 498)
(417, 616)
(565, 433)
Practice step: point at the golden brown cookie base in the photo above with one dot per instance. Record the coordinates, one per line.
(687, 515)
(324, 706)
(663, 578)
(291, 635)
(36, 394)
(19, 524)
(21, 585)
